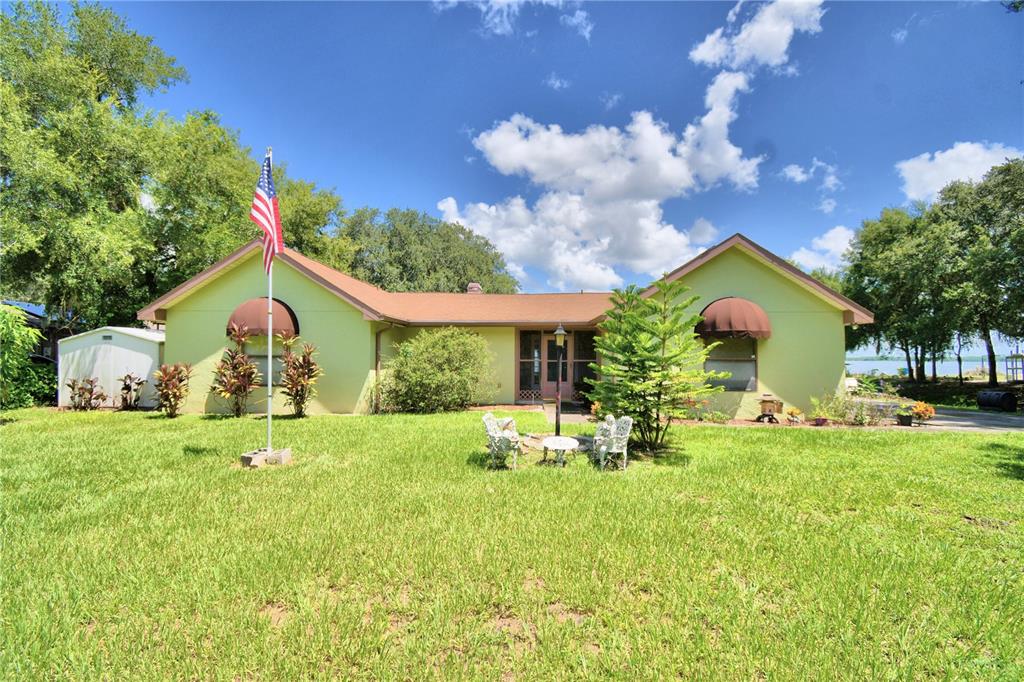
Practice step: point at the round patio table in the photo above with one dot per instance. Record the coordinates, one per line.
(560, 444)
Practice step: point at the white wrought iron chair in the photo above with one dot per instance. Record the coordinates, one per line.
(612, 438)
(502, 440)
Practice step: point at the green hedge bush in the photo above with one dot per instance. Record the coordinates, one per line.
(17, 341)
(34, 384)
(438, 370)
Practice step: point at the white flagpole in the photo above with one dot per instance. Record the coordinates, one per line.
(270, 337)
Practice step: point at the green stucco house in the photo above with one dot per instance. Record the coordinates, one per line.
(782, 332)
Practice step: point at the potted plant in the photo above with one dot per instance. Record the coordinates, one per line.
(922, 411)
(794, 415)
(905, 416)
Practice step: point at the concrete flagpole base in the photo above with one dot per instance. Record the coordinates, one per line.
(258, 458)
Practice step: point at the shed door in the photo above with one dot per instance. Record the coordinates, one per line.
(104, 368)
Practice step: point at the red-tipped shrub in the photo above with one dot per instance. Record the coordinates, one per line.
(171, 383)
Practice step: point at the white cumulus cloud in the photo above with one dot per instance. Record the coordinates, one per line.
(703, 231)
(796, 173)
(601, 189)
(830, 182)
(826, 251)
(580, 22)
(499, 17)
(555, 82)
(610, 100)
(829, 174)
(763, 40)
(924, 175)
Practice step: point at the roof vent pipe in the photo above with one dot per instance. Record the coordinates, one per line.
(474, 288)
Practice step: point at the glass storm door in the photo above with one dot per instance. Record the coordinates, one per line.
(549, 371)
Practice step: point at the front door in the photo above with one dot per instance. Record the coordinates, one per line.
(549, 370)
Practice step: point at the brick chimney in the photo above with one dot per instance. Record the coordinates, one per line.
(474, 288)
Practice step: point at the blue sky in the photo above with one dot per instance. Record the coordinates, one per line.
(560, 131)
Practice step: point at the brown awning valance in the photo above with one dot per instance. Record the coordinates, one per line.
(253, 314)
(734, 317)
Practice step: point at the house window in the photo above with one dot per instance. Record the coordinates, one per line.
(583, 353)
(739, 358)
(529, 361)
(256, 349)
(552, 376)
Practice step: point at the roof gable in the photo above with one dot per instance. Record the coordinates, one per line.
(406, 307)
(853, 313)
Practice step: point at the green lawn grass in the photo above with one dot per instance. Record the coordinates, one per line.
(134, 547)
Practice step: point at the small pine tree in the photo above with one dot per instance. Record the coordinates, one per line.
(652, 361)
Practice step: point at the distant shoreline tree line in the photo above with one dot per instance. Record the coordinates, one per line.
(940, 276)
(107, 205)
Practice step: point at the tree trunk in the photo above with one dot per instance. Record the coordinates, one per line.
(910, 366)
(959, 359)
(935, 376)
(986, 336)
(919, 361)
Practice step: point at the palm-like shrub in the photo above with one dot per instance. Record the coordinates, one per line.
(236, 376)
(300, 373)
(131, 391)
(652, 361)
(86, 394)
(171, 384)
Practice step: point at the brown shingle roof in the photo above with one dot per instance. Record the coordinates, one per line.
(576, 309)
(415, 308)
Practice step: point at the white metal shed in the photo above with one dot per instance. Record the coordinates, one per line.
(106, 354)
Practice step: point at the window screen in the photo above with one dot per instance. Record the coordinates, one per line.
(529, 360)
(256, 349)
(739, 358)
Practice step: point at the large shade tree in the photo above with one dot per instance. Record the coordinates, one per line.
(938, 275)
(106, 205)
(407, 250)
(985, 229)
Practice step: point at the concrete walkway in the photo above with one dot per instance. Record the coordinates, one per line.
(976, 420)
(569, 415)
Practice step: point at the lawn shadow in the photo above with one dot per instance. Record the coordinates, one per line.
(480, 459)
(1009, 459)
(675, 457)
(218, 417)
(4, 421)
(197, 451)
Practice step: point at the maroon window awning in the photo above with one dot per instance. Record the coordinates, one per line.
(253, 314)
(734, 317)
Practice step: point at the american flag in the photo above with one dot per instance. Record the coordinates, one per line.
(267, 215)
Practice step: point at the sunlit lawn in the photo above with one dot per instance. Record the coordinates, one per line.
(134, 547)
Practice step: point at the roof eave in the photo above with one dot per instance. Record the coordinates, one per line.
(500, 323)
(157, 310)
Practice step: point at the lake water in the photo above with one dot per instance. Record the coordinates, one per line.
(945, 368)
